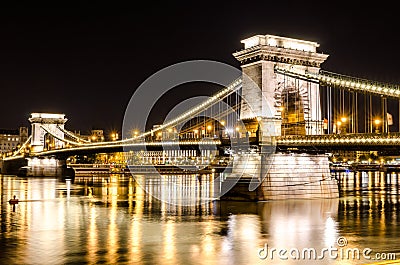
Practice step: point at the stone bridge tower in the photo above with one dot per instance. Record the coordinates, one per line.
(273, 105)
(42, 123)
(281, 104)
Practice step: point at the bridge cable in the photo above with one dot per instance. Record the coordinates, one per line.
(230, 89)
(23, 146)
(343, 81)
(69, 133)
(59, 138)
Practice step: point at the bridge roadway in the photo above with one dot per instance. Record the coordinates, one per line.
(389, 142)
(111, 147)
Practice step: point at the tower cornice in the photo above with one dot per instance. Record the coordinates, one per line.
(280, 55)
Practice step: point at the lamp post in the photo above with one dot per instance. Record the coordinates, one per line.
(338, 124)
(209, 127)
(344, 120)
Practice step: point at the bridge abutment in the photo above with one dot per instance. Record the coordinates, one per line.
(36, 167)
(299, 176)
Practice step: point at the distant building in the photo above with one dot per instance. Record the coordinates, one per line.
(11, 139)
(96, 136)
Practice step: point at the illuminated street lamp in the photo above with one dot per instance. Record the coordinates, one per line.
(237, 131)
(344, 120)
(114, 136)
(377, 124)
(209, 127)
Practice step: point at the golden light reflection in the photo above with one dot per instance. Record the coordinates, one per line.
(169, 237)
(330, 232)
(291, 224)
(102, 232)
(370, 179)
(140, 195)
(207, 244)
(135, 242)
(92, 246)
(112, 240)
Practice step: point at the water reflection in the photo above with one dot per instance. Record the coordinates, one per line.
(111, 219)
(356, 182)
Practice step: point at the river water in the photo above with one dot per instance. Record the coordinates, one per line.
(110, 219)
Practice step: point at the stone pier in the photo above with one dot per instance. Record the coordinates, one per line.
(282, 176)
(36, 167)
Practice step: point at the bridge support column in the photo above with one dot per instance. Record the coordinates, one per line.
(282, 176)
(297, 176)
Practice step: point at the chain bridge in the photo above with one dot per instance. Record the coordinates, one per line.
(273, 125)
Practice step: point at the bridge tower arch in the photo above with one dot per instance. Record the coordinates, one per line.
(263, 89)
(42, 125)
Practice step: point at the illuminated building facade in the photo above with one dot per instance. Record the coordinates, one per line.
(11, 139)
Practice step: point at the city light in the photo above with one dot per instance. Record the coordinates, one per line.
(114, 136)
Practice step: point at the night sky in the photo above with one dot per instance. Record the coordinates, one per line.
(87, 62)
